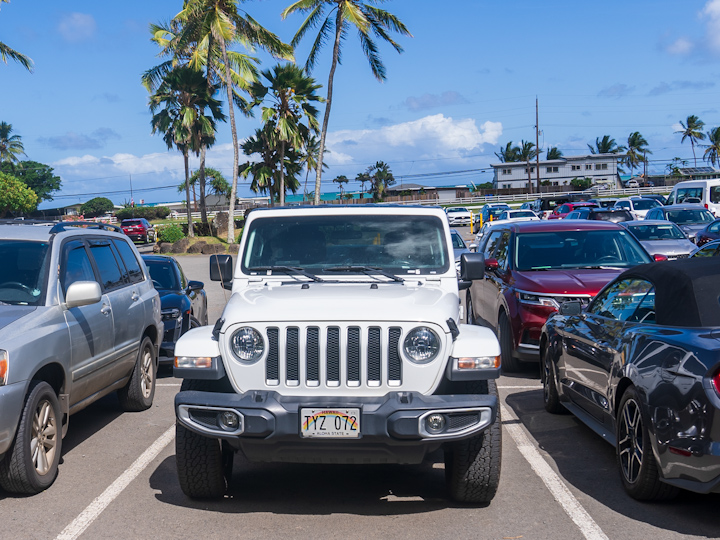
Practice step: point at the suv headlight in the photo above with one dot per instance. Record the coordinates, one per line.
(3, 367)
(247, 344)
(421, 345)
(537, 300)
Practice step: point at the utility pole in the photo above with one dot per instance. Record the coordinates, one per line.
(537, 146)
(132, 201)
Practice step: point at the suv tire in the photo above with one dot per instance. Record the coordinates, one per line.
(40, 428)
(509, 363)
(551, 398)
(470, 317)
(472, 466)
(138, 394)
(200, 465)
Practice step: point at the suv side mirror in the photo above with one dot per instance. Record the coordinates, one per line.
(195, 285)
(570, 308)
(221, 268)
(491, 264)
(472, 266)
(83, 293)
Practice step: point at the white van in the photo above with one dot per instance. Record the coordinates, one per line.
(705, 192)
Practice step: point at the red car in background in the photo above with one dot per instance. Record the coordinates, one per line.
(532, 267)
(561, 211)
(139, 230)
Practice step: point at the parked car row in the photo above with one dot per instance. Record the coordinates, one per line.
(80, 318)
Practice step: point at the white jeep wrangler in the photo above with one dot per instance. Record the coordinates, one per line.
(341, 343)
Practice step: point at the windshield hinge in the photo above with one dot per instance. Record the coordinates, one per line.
(454, 330)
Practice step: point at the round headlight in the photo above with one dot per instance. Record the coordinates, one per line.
(422, 345)
(247, 344)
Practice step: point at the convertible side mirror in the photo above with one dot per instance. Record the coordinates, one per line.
(570, 308)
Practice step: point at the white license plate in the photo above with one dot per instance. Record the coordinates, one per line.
(330, 423)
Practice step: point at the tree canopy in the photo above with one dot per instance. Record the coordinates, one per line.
(97, 206)
(37, 176)
(15, 196)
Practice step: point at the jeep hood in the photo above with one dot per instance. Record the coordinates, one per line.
(572, 281)
(342, 302)
(10, 314)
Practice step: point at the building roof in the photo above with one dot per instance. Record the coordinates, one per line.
(564, 159)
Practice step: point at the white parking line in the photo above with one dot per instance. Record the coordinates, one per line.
(168, 384)
(536, 387)
(95, 508)
(552, 481)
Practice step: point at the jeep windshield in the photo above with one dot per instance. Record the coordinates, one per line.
(23, 272)
(397, 244)
(577, 249)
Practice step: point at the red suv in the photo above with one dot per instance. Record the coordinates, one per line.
(563, 210)
(139, 229)
(532, 267)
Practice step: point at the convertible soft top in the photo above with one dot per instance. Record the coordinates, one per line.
(687, 292)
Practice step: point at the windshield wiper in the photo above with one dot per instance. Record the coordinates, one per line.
(367, 270)
(292, 270)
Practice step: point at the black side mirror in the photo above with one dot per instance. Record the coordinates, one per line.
(472, 266)
(195, 285)
(570, 308)
(221, 268)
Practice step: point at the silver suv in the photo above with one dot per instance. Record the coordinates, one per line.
(79, 318)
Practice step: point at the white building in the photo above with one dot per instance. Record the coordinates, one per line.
(599, 168)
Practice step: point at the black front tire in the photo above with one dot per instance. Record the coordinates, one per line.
(31, 464)
(638, 469)
(509, 363)
(470, 317)
(551, 398)
(201, 465)
(472, 466)
(139, 392)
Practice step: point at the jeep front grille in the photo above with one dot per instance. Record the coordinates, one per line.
(352, 356)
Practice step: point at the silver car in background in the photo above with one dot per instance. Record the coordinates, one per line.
(660, 237)
(79, 318)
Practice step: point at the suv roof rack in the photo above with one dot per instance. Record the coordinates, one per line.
(26, 221)
(63, 225)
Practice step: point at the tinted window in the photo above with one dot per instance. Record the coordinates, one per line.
(22, 272)
(656, 231)
(110, 274)
(491, 244)
(130, 260)
(689, 216)
(623, 204)
(163, 275)
(689, 193)
(645, 204)
(715, 227)
(626, 300)
(715, 194)
(457, 241)
(502, 250)
(77, 265)
(654, 214)
(707, 251)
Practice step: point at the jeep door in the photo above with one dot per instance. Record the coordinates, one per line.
(92, 346)
(128, 313)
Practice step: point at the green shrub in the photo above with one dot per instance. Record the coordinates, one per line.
(171, 233)
(147, 212)
(162, 212)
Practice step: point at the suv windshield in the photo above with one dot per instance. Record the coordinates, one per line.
(645, 204)
(577, 249)
(163, 275)
(319, 244)
(22, 274)
(689, 216)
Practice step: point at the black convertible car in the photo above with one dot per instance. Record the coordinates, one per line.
(641, 367)
(183, 302)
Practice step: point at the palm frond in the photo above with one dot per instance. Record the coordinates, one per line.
(6, 52)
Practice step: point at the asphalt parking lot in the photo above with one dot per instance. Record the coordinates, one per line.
(559, 481)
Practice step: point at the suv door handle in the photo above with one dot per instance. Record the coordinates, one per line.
(135, 296)
(105, 310)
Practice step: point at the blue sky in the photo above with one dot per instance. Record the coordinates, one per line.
(465, 85)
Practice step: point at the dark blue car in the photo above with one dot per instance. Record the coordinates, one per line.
(184, 302)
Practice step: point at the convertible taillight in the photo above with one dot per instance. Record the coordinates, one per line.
(716, 382)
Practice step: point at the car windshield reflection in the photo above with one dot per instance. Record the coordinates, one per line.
(23, 271)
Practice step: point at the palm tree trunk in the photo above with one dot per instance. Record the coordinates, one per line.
(692, 143)
(236, 156)
(191, 233)
(201, 180)
(328, 103)
(282, 173)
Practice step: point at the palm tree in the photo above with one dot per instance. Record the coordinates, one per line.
(712, 150)
(526, 152)
(178, 108)
(553, 153)
(309, 160)
(636, 151)
(692, 129)
(606, 145)
(288, 100)
(508, 154)
(381, 177)
(11, 146)
(367, 19)
(207, 29)
(6, 52)
(340, 181)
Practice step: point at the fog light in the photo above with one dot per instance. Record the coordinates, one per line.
(435, 423)
(229, 421)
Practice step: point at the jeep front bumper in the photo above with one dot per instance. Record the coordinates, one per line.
(391, 427)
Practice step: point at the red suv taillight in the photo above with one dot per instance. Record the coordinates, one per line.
(716, 382)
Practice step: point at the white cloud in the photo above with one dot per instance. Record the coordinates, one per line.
(77, 27)
(433, 136)
(711, 12)
(680, 47)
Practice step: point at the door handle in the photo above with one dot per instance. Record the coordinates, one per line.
(105, 310)
(135, 296)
